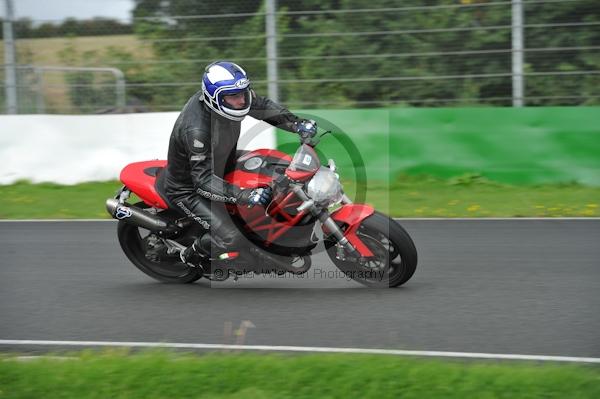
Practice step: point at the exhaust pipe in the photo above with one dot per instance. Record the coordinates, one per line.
(136, 216)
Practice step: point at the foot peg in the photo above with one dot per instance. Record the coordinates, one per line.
(190, 256)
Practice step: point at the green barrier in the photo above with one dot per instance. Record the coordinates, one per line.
(512, 145)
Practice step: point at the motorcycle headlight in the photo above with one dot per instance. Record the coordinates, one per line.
(324, 188)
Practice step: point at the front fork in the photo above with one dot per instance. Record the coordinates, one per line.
(348, 240)
(353, 215)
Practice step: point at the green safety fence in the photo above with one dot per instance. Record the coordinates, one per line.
(511, 145)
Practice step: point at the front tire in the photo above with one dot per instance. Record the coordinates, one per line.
(395, 258)
(133, 241)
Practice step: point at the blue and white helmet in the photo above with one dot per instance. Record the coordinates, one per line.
(223, 78)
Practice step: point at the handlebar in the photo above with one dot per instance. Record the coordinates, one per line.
(313, 141)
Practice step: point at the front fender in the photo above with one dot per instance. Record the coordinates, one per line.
(353, 215)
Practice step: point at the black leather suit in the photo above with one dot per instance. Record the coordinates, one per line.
(202, 149)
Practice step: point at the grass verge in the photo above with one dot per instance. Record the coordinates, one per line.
(408, 196)
(471, 195)
(118, 374)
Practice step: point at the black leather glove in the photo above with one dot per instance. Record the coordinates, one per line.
(255, 196)
(306, 128)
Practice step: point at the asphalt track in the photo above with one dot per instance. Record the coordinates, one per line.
(494, 286)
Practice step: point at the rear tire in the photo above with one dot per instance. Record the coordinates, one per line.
(131, 239)
(396, 254)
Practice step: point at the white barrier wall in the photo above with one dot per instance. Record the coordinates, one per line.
(71, 149)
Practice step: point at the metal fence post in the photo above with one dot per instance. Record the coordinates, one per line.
(40, 103)
(120, 87)
(10, 78)
(271, 33)
(517, 54)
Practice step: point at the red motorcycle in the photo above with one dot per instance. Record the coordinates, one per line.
(367, 246)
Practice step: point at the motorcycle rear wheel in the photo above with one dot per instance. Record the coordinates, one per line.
(395, 259)
(133, 242)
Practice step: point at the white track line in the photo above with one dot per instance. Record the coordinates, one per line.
(33, 358)
(406, 218)
(307, 349)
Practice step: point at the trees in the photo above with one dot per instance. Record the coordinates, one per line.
(25, 28)
(375, 58)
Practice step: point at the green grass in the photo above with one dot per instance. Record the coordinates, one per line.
(465, 196)
(473, 196)
(46, 51)
(24, 200)
(148, 375)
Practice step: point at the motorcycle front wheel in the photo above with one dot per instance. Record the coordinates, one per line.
(395, 255)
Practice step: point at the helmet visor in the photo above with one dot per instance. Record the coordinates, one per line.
(236, 101)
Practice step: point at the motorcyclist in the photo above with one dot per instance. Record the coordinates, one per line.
(202, 148)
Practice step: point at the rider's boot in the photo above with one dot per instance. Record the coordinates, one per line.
(220, 249)
(208, 248)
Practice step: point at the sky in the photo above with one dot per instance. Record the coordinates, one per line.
(60, 9)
